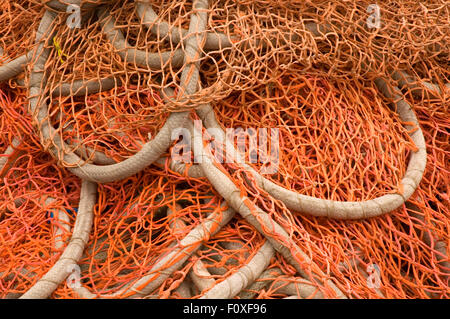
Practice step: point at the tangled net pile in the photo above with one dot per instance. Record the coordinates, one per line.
(103, 197)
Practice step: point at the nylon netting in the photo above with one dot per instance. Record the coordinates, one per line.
(114, 182)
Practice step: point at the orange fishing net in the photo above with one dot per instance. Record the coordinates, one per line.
(134, 162)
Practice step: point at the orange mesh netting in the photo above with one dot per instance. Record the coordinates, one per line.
(223, 149)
